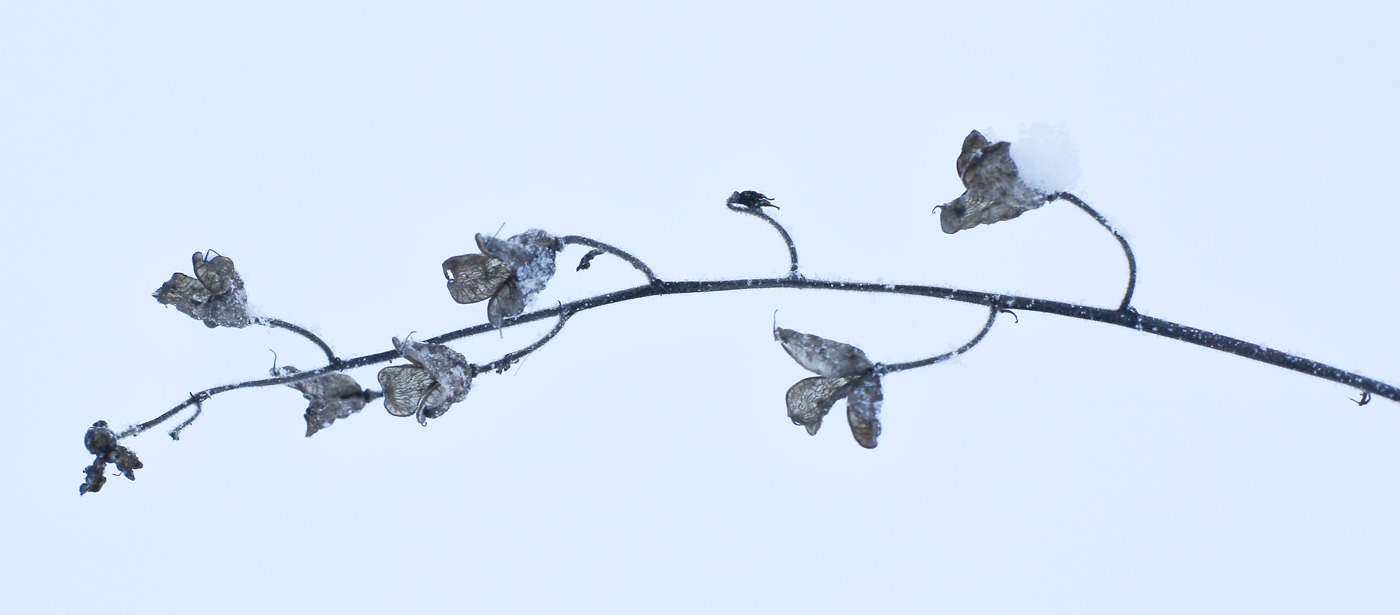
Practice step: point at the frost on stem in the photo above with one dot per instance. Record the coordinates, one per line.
(995, 191)
(332, 396)
(101, 442)
(844, 371)
(437, 378)
(215, 295)
(507, 271)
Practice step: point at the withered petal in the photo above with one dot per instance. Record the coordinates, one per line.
(823, 356)
(995, 191)
(810, 399)
(863, 410)
(475, 277)
(507, 302)
(406, 388)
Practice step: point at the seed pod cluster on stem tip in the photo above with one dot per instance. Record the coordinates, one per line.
(843, 372)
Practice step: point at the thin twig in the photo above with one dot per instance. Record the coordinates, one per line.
(758, 213)
(198, 409)
(598, 245)
(1127, 251)
(502, 364)
(899, 367)
(277, 323)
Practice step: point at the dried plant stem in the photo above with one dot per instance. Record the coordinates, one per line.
(276, 323)
(1124, 318)
(502, 364)
(598, 245)
(899, 367)
(758, 213)
(1127, 251)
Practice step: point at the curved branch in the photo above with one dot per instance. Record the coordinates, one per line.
(598, 245)
(275, 323)
(1124, 318)
(502, 364)
(758, 213)
(899, 367)
(1127, 251)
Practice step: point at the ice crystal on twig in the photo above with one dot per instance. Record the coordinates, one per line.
(437, 378)
(215, 295)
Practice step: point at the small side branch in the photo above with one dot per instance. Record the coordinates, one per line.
(198, 409)
(502, 364)
(899, 367)
(598, 245)
(758, 213)
(196, 400)
(276, 323)
(1127, 251)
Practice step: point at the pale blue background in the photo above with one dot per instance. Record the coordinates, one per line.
(642, 462)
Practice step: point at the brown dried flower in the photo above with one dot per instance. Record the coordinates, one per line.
(215, 295)
(844, 371)
(437, 378)
(995, 191)
(507, 271)
(332, 396)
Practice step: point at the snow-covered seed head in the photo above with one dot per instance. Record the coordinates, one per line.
(995, 191)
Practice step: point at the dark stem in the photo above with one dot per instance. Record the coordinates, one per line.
(502, 364)
(1124, 318)
(198, 409)
(276, 323)
(598, 245)
(792, 248)
(899, 367)
(1127, 251)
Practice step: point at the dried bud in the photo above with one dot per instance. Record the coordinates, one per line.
(995, 191)
(99, 439)
(332, 396)
(215, 295)
(809, 400)
(751, 199)
(863, 410)
(437, 378)
(102, 443)
(822, 356)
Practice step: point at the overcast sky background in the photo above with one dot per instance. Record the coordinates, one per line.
(643, 462)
